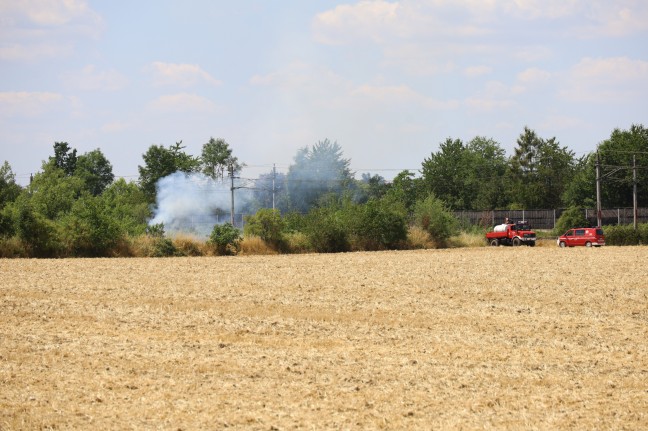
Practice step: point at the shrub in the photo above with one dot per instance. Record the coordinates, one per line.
(87, 230)
(164, 247)
(297, 242)
(268, 225)
(417, 238)
(326, 231)
(570, 218)
(643, 233)
(38, 234)
(433, 217)
(626, 235)
(225, 239)
(374, 226)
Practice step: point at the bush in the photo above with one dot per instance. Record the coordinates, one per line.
(326, 231)
(87, 230)
(268, 225)
(374, 226)
(433, 217)
(623, 235)
(572, 217)
(164, 247)
(37, 233)
(225, 239)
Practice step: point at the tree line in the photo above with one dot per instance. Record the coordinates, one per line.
(75, 207)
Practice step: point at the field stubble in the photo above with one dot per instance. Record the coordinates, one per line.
(484, 338)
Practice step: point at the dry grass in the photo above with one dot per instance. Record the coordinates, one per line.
(253, 245)
(430, 339)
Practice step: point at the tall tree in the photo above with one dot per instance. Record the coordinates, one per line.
(539, 172)
(160, 162)
(616, 157)
(9, 190)
(444, 174)
(486, 162)
(316, 172)
(405, 190)
(95, 170)
(370, 187)
(217, 159)
(65, 158)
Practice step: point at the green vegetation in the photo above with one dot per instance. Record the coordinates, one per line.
(75, 207)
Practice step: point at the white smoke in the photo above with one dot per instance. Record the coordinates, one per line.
(194, 203)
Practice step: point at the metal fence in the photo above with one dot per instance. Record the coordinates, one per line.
(546, 219)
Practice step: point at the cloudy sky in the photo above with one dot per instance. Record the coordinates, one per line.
(387, 80)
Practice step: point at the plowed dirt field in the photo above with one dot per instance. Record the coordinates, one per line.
(482, 338)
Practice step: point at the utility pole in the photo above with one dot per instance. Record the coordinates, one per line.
(231, 174)
(634, 190)
(274, 175)
(598, 190)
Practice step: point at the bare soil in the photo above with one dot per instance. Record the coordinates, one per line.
(482, 338)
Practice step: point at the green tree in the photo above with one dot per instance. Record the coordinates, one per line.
(38, 234)
(539, 171)
(316, 172)
(65, 158)
(444, 174)
(371, 187)
(95, 170)
(88, 229)
(404, 191)
(52, 192)
(160, 162)
(217, 159)
(9, 190)
(126, 203)
(616, 158)
(486, 161)
(581, 190)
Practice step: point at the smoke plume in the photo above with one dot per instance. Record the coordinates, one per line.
(194, 203)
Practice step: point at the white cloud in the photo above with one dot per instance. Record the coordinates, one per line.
(182, 103)
(30, 104)
(474, 71)
(366, 19)
(91, 79)
(533, 75)
(603, 80)
(390, 95)
(47, 12)
(183, 75)
(39, 29)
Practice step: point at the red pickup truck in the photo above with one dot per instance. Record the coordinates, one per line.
(514, 234)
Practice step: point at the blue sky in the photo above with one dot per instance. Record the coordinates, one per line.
(388, 80)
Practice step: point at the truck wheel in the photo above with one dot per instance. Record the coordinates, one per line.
(494, 242)
(531, 243)
(588, 244)
(516, 242)
(562, 244)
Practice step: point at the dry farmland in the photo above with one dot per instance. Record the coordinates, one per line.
(482, 338)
